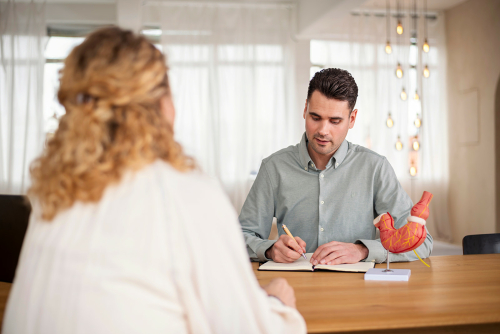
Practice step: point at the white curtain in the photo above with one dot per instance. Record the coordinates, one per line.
(359, 47)
(22, 41)
(231, 72)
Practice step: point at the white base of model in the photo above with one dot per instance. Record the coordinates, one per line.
(378, 274)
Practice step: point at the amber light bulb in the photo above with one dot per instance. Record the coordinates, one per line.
(413, 170)
(418, 122)
(416, 144)
(426, 72)
(426, 46)
(416, 97)
(403, 95)
(389, 122)
(399, 71)
(388, 48)
(399, 144)
(399, 28)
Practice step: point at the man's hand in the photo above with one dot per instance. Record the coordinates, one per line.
(336, 252)
(286, 250)
(280, 288)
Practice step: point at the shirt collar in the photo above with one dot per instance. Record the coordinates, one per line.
(304, 155)
(339, 156)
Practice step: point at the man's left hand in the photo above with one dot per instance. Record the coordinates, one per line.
(336, 252)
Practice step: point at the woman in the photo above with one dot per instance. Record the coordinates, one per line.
(125, 235)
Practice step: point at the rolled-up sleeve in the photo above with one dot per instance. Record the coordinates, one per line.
(257, 214)
(390, 197)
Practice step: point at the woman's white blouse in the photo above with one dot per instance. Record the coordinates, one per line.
(161, 252)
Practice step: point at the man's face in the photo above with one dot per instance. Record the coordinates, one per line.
(327, 123)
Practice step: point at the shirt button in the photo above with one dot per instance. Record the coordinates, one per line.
(322, 202)
(322, 175)
(337, 164)
(305, 168)
(321, 229)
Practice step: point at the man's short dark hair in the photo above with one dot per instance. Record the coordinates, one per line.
(334, 83)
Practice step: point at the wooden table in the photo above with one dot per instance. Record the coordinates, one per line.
(4, 293)
(457, 294)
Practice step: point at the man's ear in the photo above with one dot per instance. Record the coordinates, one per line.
(352, 118)
(305, 110)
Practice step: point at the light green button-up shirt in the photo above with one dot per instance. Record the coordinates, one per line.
(338, 203)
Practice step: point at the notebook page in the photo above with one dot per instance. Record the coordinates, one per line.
(360, 267)
(300, 264)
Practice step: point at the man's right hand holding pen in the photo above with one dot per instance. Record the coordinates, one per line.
(286, 249)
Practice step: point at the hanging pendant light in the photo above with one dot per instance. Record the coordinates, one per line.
(426, 71)
(417, 122)
(426, 46)
(399, 28)
(388, 48)
(415, 144)
(413, 170)
(399, 144)
(403, 95)
(389, 122)
(416, 97)
(399, 71)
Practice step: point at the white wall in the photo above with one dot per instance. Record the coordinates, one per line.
(473, 49)
(302, 66)
(80, 13)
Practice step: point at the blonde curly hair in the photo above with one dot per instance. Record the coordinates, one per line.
(111, 86)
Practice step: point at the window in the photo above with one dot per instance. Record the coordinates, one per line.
(57, 49)
(367, 62)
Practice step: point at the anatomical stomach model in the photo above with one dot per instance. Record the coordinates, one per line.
(409, 236)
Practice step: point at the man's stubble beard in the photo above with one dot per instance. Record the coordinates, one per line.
(323, 151)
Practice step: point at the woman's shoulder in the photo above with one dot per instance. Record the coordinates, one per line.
(198, 195)
(162, 168)
(193, 183)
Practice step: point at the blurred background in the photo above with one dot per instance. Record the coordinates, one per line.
(428, 74)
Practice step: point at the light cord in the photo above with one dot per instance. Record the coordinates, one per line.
(421, 259)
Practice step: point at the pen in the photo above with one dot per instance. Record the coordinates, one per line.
(291, 236)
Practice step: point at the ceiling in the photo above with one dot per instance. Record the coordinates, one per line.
(82, 1)
(114, 1)
(314, 17)
(432, 5)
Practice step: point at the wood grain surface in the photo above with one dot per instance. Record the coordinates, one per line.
(4, 294)
(455, 290)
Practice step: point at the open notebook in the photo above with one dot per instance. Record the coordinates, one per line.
(302, 265)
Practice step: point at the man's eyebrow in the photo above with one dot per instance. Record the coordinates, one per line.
(334, 118)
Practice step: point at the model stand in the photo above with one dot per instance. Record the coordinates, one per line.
(378, 274)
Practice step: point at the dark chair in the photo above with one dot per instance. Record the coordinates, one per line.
(481, 244)
(14, 216)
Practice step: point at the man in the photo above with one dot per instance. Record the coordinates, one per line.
(325, 189)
